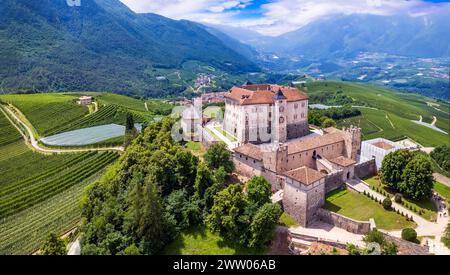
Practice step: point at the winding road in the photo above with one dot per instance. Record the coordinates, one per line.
(35, 144)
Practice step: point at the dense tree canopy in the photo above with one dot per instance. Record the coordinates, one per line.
(247, 217)
(392, 167)
(417, 178)
(219, 156)
(259, 191)
(158, 188)
(441, 155)
(53, 245)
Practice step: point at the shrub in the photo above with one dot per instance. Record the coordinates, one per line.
(398, 198)
(387, 204)
(409, 234)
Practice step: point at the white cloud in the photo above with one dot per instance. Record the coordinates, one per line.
(276, 16)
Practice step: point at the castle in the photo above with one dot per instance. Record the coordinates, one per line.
(270, 123)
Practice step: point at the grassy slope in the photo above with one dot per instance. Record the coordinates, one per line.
(58, 112)
(427, 206)
(395, 107)
(47, 112)
(54, 214)
(200, 241)
(359, 207)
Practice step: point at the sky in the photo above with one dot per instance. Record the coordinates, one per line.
(275, 17)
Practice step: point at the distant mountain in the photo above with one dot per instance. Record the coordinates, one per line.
(347, 36)
(244, 49)
(100, 45)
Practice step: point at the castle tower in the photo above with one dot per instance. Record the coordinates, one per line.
(279, 118)
(352, 139)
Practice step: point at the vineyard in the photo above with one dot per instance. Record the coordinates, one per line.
(40, 193)
(23, 233)
(47, 112)
(23, 194)
(391, 112)
(8, 132)
(106, 115)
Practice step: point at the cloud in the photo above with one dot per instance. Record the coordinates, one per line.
(274, 17)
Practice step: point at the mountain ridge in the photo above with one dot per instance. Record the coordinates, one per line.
(101, 45)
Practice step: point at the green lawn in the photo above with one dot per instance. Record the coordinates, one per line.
(196, 148)
(427, 206)
(442, 189)
(226, 134)
(358, 207)
(200, 241)
(287, 220)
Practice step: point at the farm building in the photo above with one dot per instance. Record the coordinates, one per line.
(85, 100)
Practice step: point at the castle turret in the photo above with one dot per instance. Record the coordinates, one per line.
(279, 118)
(352, 139)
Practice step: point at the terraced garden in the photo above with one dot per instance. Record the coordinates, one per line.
(393, 114)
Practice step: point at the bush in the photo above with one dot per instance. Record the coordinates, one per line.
(387, 204)
(398, 198)
(409, 234)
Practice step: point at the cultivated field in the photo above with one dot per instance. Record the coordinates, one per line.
(40, 193)
(47, 112)
(393, 114)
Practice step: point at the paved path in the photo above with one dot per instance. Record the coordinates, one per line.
(35, 144)
(329, 232)
(74, 248)
(424, 227)
(441, 178)
(211, 126)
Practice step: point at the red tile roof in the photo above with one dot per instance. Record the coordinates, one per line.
(342, 161)
(250, 150)
(263, 94)
(305, 175)
(315, 142)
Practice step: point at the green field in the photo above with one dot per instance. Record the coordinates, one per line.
(39, 193)
(358, 207)
(47, 112)
(427, 206)
(200, 241)
(393, 114)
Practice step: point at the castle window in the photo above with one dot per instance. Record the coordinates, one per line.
(303, 104)
(296, 106)
(295, 116)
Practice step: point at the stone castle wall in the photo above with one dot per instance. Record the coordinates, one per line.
(333, 181)
(353, 226)
(366, 169)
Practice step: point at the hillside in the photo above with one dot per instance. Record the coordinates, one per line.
(52, 113)
(388, 113)
(40, 193)
(101, 46)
